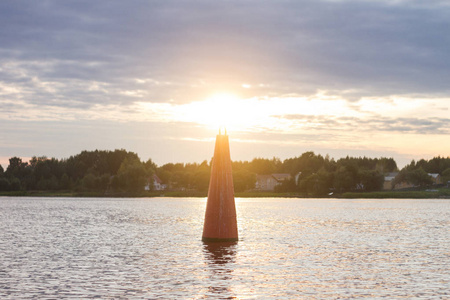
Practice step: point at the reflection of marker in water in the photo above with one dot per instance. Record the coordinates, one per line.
(220, 217)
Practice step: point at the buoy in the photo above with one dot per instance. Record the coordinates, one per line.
(220, 216)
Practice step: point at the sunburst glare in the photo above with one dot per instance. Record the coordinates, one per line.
(225, 110)
(222, 110)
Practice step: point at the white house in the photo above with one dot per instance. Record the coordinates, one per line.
(154, 183)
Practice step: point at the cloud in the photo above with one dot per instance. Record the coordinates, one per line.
(337, 68)
(60, 49)
(374, 124)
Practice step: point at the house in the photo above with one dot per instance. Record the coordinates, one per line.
(403, 185)
(269, 182)
(437, 179)
(265, 183)
(280, 177)
(154, 183)
(388, 179)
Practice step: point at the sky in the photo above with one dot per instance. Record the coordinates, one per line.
(159, 78)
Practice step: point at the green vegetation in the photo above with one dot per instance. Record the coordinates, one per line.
(120, 173)
(417, 173)
(420, 194)
(88, 173)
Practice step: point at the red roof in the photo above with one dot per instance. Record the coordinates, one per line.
(156, 179)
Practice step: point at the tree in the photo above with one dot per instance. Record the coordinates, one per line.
(65, 183)
(95, 183)
(34, 160)
(89, 182)
(200, 180)
(413, 175)
(308, 163)
(103, 182)
(15, 184)
(132, 175)
(386, 165)
(243, 180)
(150, 166)
(4, 184)
(419, 177)
(180, 179)
(164, 175)
(17, 168)
(317, 184)
(263, 166)
(371, 180)
(324, 183)
(446, 176)
(344, 179)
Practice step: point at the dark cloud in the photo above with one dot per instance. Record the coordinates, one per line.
(188, 49)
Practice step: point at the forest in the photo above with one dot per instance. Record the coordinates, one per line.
(121, 172)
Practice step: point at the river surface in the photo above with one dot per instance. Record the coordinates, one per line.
(59, 248)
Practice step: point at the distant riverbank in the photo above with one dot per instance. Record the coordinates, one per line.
(419, 194)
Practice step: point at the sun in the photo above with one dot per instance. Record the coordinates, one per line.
(221, 110)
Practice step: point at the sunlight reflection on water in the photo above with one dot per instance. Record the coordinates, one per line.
(288, 248)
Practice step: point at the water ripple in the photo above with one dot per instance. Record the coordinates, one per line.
(288, 249)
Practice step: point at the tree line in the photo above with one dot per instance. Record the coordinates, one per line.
(121, 171)
(117, 170)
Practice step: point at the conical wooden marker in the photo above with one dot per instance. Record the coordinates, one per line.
(220, 217)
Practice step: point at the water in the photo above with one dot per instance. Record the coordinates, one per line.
(288, 249)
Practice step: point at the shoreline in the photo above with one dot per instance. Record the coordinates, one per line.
(442, 193)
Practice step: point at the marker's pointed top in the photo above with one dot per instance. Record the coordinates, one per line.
(220, 130)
